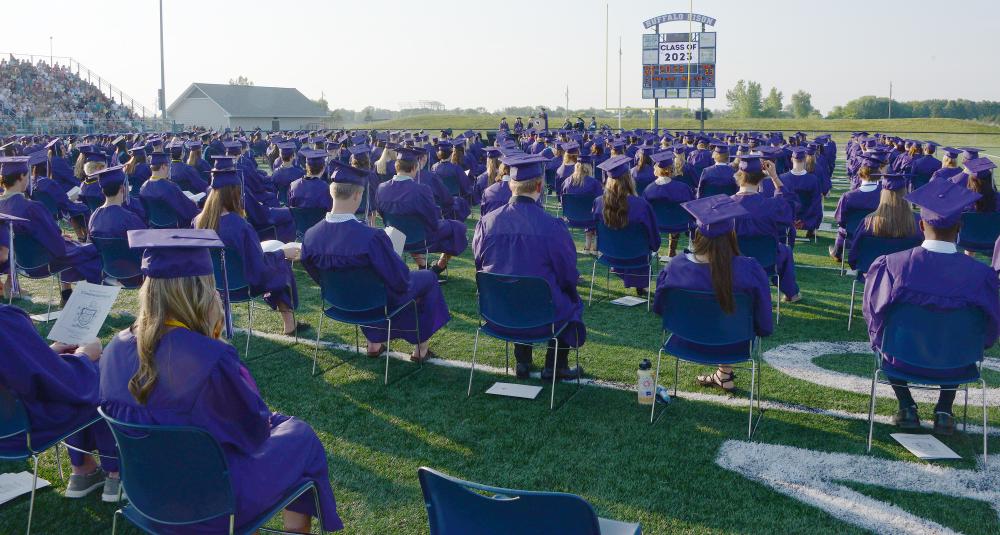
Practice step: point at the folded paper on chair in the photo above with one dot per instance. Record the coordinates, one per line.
(196, 197)
(83, 316)
(397, 238)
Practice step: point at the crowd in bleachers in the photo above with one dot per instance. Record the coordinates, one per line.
(56, 96)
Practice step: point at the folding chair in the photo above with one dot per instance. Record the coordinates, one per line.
(305, 219)
(181, 490)
(518, 303)
(14, 421)
(711, 189)
(979, 232)
(624, 248)
(702, 333)
(578, 210)
(854, 219)
(456, 507)
(159, 214)
(671, 218)
(764, 249)
(413, 229)
(870, 248)
(932, 339)
(33, 260)
(118, 262)
(358, 297)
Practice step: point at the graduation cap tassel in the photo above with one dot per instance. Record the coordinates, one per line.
(15, 288)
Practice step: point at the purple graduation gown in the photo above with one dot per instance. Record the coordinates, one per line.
(563, 172)
(941, 281)
(448, 171)
(311, 192)
(454, 208)
(520, 238)
(59, 392)
(855, 199)
(674, 192)
(864, 232)
(639, 213)
(169, 193)
(642, 178)
(498, 195)
(139, 177)
(717, 176)
(352, 244)
(284, 177)
(62, 172)
(187, 177)
(404, 196)
(770, 216)
(945, 172)
(808, 183)
(80, 262)
(269, 274)
(114, 221)
(68, 208)
(748, 278)
(263, 217)
(203, 384)
(925, 165)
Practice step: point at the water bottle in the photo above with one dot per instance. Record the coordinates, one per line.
(645, 385)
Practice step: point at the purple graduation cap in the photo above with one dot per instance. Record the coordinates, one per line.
(616, 166)
(356, 150)
(571, 147)
(751, 163)
(952, 152)
(225, 176)
(342, 173)
(313, 156)
(492, 152)
(799, 153)
(14, 165)
(111, 176)
(721, 148)
(893, 181)
(408, 154)
(90, 154)
(715, 215)
(176, 253)
(221, 161)
(525, 167)
(664, 159)
(287, 148)
(872, 161)
(979, 167)
(971, 152)
(942, 202)
(159, 158)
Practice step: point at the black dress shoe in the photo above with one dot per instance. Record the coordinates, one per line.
(907, 418)
(944, 424)
(523, 370)
(642, 292)
(563, 373)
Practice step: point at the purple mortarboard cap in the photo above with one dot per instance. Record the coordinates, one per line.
(751, 163)
(408, 154)
(616, 166)
(38, 157)
(360, 149)
(663, 159)
(525, 167)
(314, 156)
(175, 253)
(970, 152)
(618, 144)
(342, 173)
(233, 147)
(13, 165)
(893, 181)
(193, 145)
(799, 153)
(979, 165)
(111, 176)
(221, 161)
(138, 150)
(158, 158)
(572, 147)
(91, 154)
(931, 144)
(952, 152)
(586, 158)
(721, 148)
(225, 176)
(52, 144)
(715, 215)
(942, 202)
(492, 152)
(176, 149)
(287, 148)
(872, 161)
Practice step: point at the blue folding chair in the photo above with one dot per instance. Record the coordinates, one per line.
(979, 231)
(167, 488)
(764, 249)
(358, 297)
(305, 219)
(671, 218)
(714, 189)
(702, 333)
(119, 262)
(159, 214)
(517, 303)
(457, 507)
(14, 422)
(413, 228)
(93, 203)
(234, 278)
(47, 201)
(33, 260)
(870, 249)
(918, 180)
(452, 185)
(932, 339)
(578, 210)
(806, 199)
(624, 248)
(854, 218)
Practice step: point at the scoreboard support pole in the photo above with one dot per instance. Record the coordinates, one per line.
(702, 93)
(656, 102)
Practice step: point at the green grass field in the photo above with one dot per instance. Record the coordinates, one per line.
(599, 444)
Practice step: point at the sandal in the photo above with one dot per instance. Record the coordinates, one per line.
(377, 353)
(720, 379)
(427, 356)
(299, 327)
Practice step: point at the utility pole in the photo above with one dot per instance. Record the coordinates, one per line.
(51, 61)
(702, 91)
(619, 82)
(606, 26)
(890, 99)
(163, 77)
(567, 101)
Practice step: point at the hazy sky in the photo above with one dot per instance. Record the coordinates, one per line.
(493, 54)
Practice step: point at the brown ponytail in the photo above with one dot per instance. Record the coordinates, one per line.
(720, 252)
(616, 192)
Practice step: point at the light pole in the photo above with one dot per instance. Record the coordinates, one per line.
(51, 62)
(619, 82)
(163, 83)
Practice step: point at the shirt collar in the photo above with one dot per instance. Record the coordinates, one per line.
(868, 186)
(799, 173)
(339, 218)
(937, 246)
(401, 178)
(505, 178)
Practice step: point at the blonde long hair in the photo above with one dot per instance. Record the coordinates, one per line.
(382, 163)
(616, 192)
(580, 171)
(226, 198)
(492, 170)
(893, 218)
(192, 301)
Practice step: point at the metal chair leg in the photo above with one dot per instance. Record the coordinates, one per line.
(593, 273)
(114, 521)
(246, 352)
(777, 294)
(472, 369)
(871, 411)
(753, 385)
(60, 466)
(965, 411)
(555, 374)
(982, 383)
(34, 484)
(388, 340)
(319, 511)
(656, 378)
(850, 311)
(319, 331)
(506, 355)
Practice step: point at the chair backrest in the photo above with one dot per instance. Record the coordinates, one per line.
(47, 201)
(764, 249)
(696, 316)
(93, 203)
(919, 180)
(451, 184)
(29, 253)
(174, 474)
(578, 207)
(13, 417)
(625, 243)
(306, 218)
(455, 506)
(805, 199)
(980, 230)
(117, 259)
(515, 302)
(410, 225)
(872, 248)
(932, 338)
(353, 290)
(670, 216)
(854, 217)
(160, 214)
(714, 189)
(235, 275)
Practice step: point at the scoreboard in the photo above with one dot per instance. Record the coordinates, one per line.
(678, 65)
